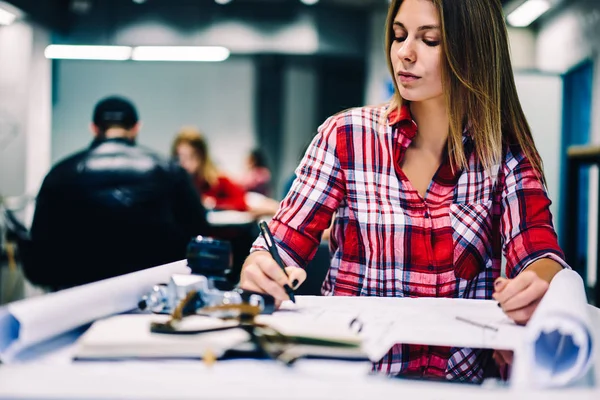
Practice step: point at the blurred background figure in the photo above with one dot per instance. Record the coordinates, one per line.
(257, 176)
(112, 208)
(216, 190)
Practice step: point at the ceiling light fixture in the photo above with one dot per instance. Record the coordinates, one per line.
(6, 17)
(180, 53)
(309, 2)
(223, 1)
(8, 13)
(76, 52)
(528, 12)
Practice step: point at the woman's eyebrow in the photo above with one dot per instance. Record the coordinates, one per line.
(421, 28)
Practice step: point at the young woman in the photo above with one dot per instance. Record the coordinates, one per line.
(427, 190)
(216, 189)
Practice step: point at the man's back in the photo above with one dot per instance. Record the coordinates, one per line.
(112, 209)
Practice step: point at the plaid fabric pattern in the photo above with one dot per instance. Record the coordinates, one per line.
(387, 240)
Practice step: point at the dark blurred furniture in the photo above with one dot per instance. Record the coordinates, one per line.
(577, 158)
(16, 232)
(240, 229)
(316, 271)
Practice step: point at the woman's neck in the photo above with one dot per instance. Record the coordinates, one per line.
(433, 125)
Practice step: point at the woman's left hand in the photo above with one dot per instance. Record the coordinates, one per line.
(519, 297)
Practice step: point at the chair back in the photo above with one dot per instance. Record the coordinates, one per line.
(16, 232)
(15, 229)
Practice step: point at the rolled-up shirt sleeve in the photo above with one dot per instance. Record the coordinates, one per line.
(526, 225)
(314, 196)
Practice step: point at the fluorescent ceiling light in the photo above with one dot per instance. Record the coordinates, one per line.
(180, 53)
(117, 53)
(222, 1)
(309, 2)
(528, 12)
(6, 17)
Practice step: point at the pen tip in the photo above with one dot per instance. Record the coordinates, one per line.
(290, 293)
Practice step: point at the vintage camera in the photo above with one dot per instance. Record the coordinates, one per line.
(210, 262)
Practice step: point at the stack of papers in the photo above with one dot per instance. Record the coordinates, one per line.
(129, 336)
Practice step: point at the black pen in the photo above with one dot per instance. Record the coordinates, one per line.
(266, 234)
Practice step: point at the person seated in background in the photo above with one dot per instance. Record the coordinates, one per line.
(257, 177)
(112, 208)
(216, 190)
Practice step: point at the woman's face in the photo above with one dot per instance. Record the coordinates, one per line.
(416, 51)
(188, 158)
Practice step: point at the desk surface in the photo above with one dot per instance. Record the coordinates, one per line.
(48, 373)
(229, 218)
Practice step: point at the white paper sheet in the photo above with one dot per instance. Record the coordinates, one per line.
(28, 322)
(425, 321)
(554, 349)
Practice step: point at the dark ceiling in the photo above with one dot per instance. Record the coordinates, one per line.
(58, 15)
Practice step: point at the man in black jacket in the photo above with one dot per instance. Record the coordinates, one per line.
(112, 208)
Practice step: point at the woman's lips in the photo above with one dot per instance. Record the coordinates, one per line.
(407, 78)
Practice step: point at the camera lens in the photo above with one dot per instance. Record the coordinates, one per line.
(209, 257)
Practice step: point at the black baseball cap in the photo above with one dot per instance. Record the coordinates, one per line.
(115, 111)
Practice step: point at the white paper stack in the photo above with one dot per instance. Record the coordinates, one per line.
(128, 336)
(31, 321)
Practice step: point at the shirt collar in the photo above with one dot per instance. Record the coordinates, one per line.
(100, 140)
(408, 127)
(402, 118)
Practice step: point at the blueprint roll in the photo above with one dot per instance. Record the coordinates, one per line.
(558, 348)
(32, 321)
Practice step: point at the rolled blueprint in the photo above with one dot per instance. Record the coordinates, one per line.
(31, 321)
(558, 344)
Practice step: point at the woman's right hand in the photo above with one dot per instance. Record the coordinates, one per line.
(261, 273)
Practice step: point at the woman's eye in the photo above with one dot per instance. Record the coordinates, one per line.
(431, 43)
(399, 38)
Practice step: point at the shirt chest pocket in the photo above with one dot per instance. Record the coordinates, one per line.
(471, 238)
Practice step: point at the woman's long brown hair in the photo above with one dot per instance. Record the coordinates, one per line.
(478, 81)
(207, 171)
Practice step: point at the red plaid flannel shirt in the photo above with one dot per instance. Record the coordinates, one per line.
(387, 240)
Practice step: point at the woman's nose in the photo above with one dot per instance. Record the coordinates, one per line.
(406, 52)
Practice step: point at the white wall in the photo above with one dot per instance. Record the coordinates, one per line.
(39, 115)
(215, 97)
(522, 42)
(24, 108)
